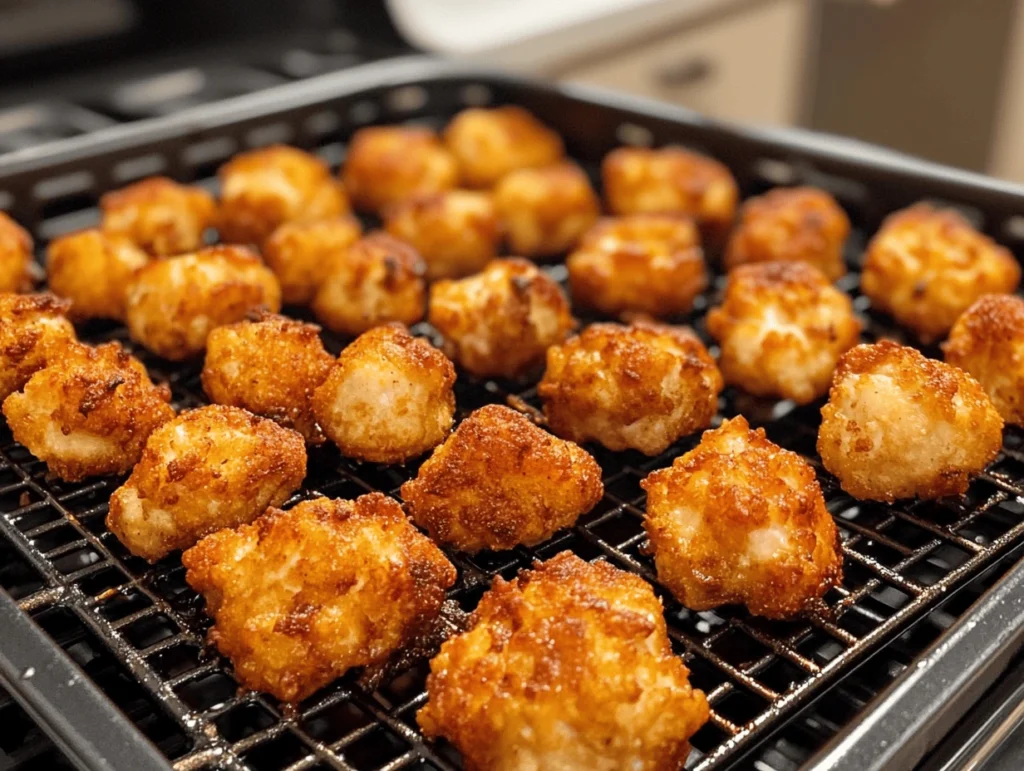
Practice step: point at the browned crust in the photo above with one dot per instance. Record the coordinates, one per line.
(15, 256)
(33, 332)
(300, 253)
(158, 215)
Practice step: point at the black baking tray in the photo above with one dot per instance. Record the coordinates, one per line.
(133, 634)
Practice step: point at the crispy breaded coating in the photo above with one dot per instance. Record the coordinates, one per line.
(782, 327)
(567, 667)
(34, 331)
(925, 267)
(300, 254)
(671, 180)
(545, 211)
(741, 520)
(640, 263)
(269, 365)
(456, 232)
(500, 322)
(159, 216)
(898, 425)
(375, 281)
(172, 305)
(791, 224)
(262, 189)
(388, 164)
(639, 387)
(209, 468)
(499, 481)
(987, 342)
(92, 269)
(88, 412)
(15, 256)
(490, 143)
(388, 398)
(301, 596)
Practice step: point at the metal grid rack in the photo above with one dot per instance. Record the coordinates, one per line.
(138, 630)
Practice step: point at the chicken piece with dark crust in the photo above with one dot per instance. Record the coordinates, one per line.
(269, 365)
(34, 331)
(209, 468)
(93, 269)
(499, 481)
(88, 412)
(15, 256)
(388, 398)
(299, 597)
(161, 217)
(639, 387)
(741, 520)
(898, 425)
(567, 667)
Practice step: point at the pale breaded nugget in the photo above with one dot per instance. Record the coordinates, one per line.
(375, 281)
(987, 342)
(925, 267)
(262, 189)
(88, 412)
(639, 387)
(388, 398)
(500, 322)
(92, 269)
(898, 425)
(159, 216)
(270, 366)
(782, 328)
(456, 232)
(490, 143)
(34, 331)
(499, 481)
(15, 256)
(567, 667)
(741, 520)
(301, 596)
(641, 263)
(639, 180)
(387, 164)
(545, 211)
(791, 224)
(172, 305)
(209, 468)
(300, 254)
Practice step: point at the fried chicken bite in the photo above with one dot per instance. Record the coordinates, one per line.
(301, 596)
(639, 180)
(388, 398)
(375, 281)
(456, 232)
(300, 254)
(791, 224)
(782, 327)
(925, 267)
(88, 412)
(898, 425)
(388, 164)
(269, 365)
(159, 216)
(208, 469)
(172, 305)
(566, 667)
(636, 387)
(15, 256)
(545, 211)
(500, 322)
(987, 342)
(92, 269)
(262, 189)
(738, 519)
(34, 331)
(499, 481)
(490, 143)
(640, 263)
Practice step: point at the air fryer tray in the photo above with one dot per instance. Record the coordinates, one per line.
(138, 630)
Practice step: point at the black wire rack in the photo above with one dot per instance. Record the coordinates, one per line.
(138, 631)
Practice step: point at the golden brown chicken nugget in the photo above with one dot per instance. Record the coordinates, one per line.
(300, 254)
(159, 216)
(15, 256)
(92, 269)
(34, 331)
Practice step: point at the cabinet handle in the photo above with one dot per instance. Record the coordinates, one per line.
(688, 72)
